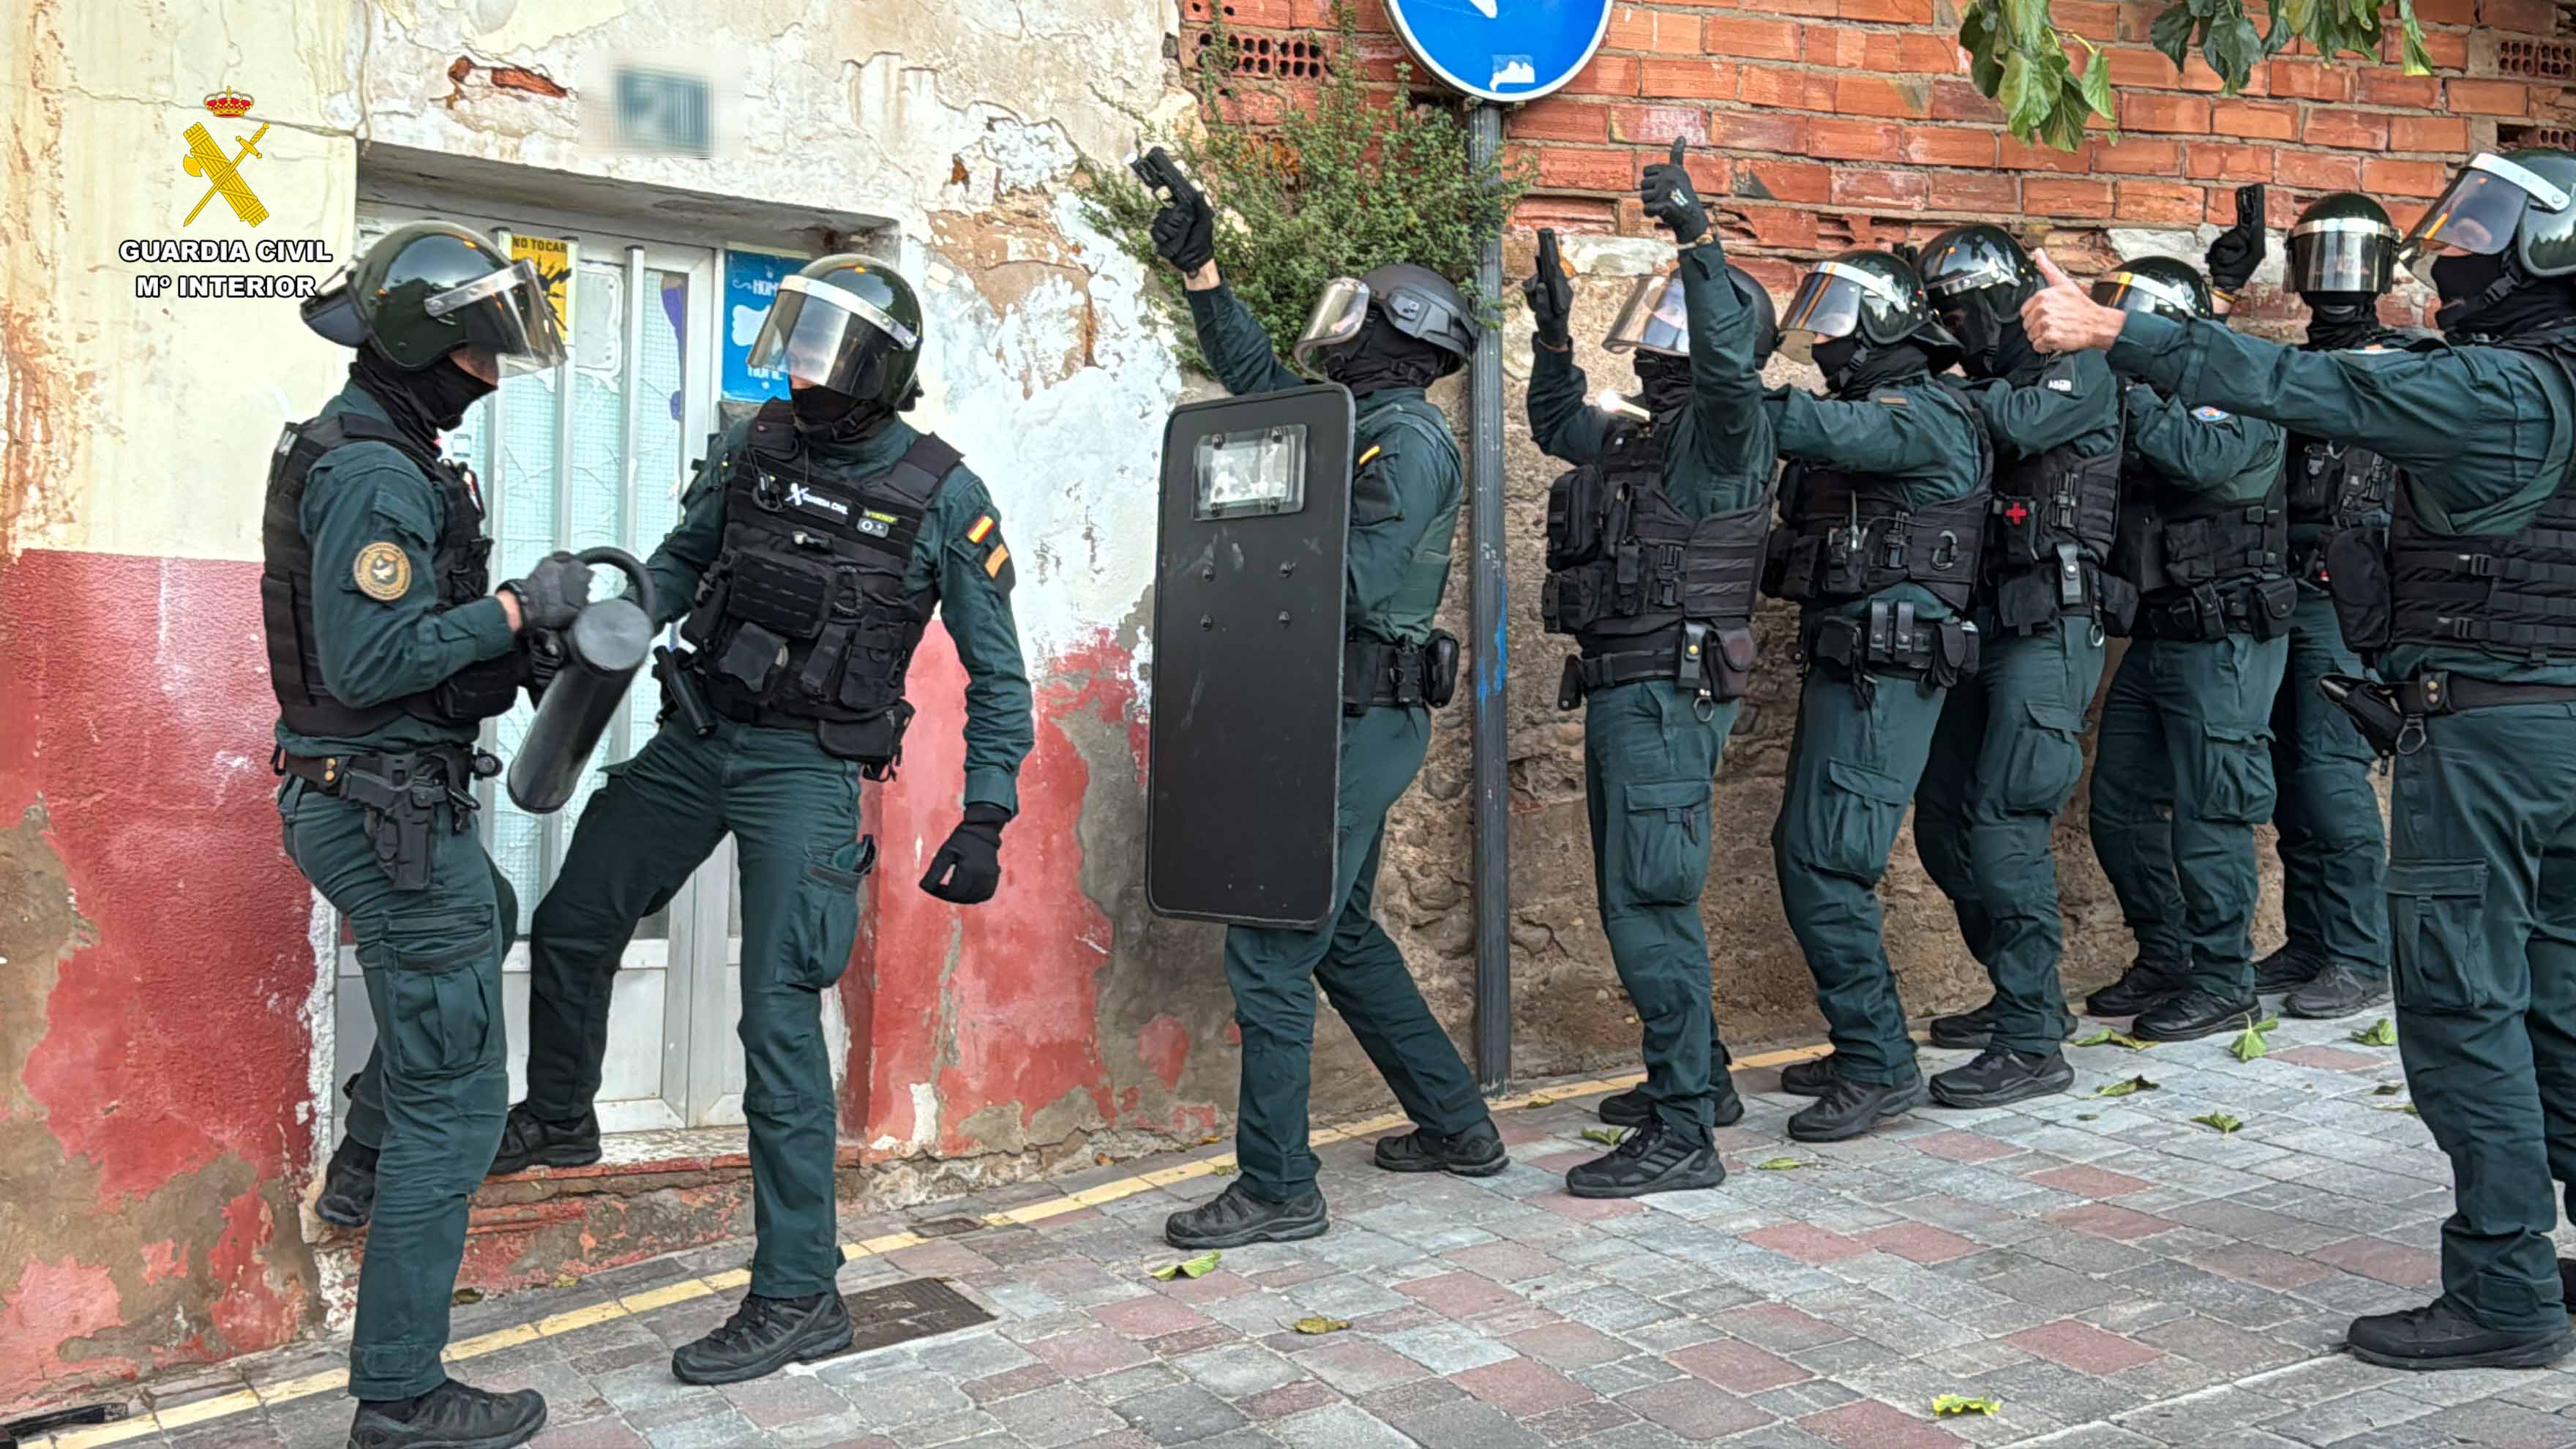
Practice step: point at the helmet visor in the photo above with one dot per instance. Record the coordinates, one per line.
(2138, 292)
(2479, 212)
(1341, 309)
(2342, 254)
(505, 313)
(829, 336)
(1958, 268)
(1829, 302)
(1653, 320)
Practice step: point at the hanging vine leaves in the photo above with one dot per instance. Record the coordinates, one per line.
(2019, 58)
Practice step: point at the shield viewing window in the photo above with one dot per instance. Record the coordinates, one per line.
(1258, 471)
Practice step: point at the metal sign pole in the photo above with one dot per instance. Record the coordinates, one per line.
(1490, 647)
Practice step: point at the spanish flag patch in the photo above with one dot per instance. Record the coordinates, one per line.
(983, 526)
(993, 561)
(1374, 450)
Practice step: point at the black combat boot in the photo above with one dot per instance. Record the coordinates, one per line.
(1849, 1108)
(1811, 1078)
(1476, 1152)
(1654, 1158)
(1235, 1217)
(1975, 1030)
(2339, 990)
(2000, 1075)
(528, 1140)
(2285, 970)
(2143, 985)
(348, 1186)
(450, 1416)
(1631, 1108)
(2192, 1013)
(2439, 1336)
(763, 1336)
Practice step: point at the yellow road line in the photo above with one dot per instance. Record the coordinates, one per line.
(686, 1289)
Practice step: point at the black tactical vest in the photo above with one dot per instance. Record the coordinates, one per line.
(1852, 535)
(2171, 540)
(1625, 563)
(804, 622)
(2055, 516)
(2510, 595)
(461, 563)
(2334, 486)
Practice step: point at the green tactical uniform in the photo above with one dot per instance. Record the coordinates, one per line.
(2184, 771)
(437, 1086)
(2482, 862)
(793, 810)
(1404, 509)
(1863, 738)
(1651, 747)
(2009, 748)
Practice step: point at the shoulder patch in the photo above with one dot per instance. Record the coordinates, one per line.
(1890, 399)
(2060, 384)
(980, 528)
(382, 572)
(2210, 415)
(993, 561)
(1363, 460)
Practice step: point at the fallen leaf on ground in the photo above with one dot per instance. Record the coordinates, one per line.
(1537, 1102)
(565, 1280)
(2088, 1116)
(1320, 1325)
(1951, 1404)
(2384, 1034)
(1606, 1136)
(2386, 1089)
(2406, 1107)
(1780, 1164)
(469, 1295)
(2108, 1037)
(2219, 1122)
(2250, 1044)
(1221, 1169)
(2123, 1089)
(1198, 1267)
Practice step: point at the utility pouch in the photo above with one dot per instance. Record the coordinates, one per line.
(1730, 664)
(1574, 518)
(1843, 559)
(1776, 548)
(2026, 602)
(2269, 605)
(875, 742)
(2119, 615)
(1839, 644)
(752, 657)
(1569, 684)
(2208, 613)
(816, 677)
(2372, 708)
(789, 596)
(706, 613)
(1957, 653)
(2356, 568)
(1440, 669)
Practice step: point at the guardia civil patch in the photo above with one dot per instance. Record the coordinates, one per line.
(383, 572)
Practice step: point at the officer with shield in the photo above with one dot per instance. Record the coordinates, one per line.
(2463, 604)
(1655, 542)
(386, 656)
(1883, 517)
(1385, 336)
(818, 538)
(2184, 772)
(2334, 853)
(2009, 748)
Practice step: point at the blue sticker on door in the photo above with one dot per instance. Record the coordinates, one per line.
(750, 285)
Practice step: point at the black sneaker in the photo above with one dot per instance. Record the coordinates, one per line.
(1235, 1217)
(2338, 990)
(1811, 1078)
(1632, 1108)
(2192, 1013)
(348, 1186)
(1654, 1158)
(2000, 1075)
(2141, 986)
(1975, 1030)
(1476, 1152)
(2567, 1282)
(1849, 1108)
(2285, 970)
(528, 1140)
(763, 1336)
(450, 1416)
(2439, 1336)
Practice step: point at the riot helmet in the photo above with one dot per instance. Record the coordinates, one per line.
(2343, 243)
(2504, 223)
(1396, 325)
(2165, 286)
(1977, 277)
(1859, 304)
(1655, 322)
(847, 331)
(428, 288)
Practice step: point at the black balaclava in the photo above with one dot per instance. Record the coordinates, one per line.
(425, 403)
(1987, 325)
(827, 415)
(1380, 357)
(2338, 320)
(1852, 366)
(1663, 383)
(2490, 298)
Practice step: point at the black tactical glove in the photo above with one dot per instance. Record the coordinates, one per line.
(968, 868)
(1666, 191)
(553, 592)
(1185, 229)
(545, 651)
(2238, 250)
(1551, 295)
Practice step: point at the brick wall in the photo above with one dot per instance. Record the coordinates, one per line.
(1827, 124)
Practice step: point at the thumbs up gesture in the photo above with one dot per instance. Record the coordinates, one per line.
(1669, 198)
(2059, 317)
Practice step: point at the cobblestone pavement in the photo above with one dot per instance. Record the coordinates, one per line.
(2110, 1272)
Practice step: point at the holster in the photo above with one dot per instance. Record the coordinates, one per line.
(402, 794)
(680, 693)
(1891, 640)
(1376, 673)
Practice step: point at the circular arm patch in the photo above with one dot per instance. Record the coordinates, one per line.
(383, 572)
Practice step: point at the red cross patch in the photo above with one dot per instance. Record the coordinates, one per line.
(2015, 513)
